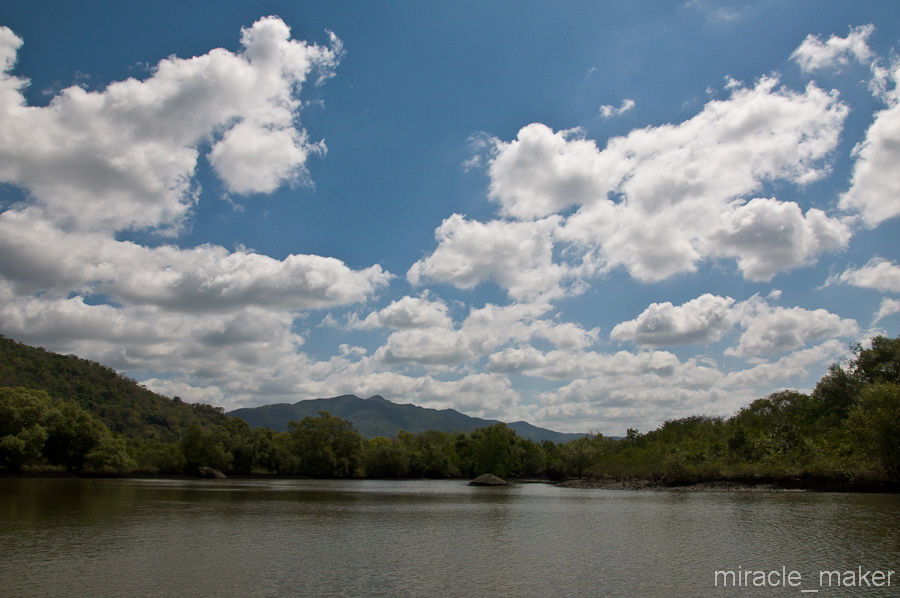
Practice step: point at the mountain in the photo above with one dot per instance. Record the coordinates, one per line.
(376, 416)
(127, 407)
(121, 403)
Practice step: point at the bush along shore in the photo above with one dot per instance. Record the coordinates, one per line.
(844, 435)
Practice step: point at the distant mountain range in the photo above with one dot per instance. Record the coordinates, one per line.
(376, 416)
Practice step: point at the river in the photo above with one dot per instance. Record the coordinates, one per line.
(261, 537)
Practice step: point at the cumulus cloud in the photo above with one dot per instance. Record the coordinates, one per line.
(424, 346)
(766, 236)
(814, 54)
(644, 389)
(661, 199)
(879, 274)
(787, 369)
(211, 347)
(699, 321)
(124, 156)
(541, 172)
(569, 365)
(41, 257)
(95, 163)
(635, 390)
(481, 332)
(518, 256)
(656, 202)
(771, 330)
(407, 312)
(766, 329)
(874, 191)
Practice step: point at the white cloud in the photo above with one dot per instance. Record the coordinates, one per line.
(787, 369)
(662, 199)
(607, 111)
(569, 365)
(772, 330)
(699, 321)
(210, 395)
(493, 326)
(766, 236)
(241, 359)
(767, 329)
(542, 172)
(874, 191)
(879, 274)
(424, 346)
(218, 349)
(479, 395)
(644, 389)
(680, 196)
(887, 308)
(518, 256)
(483, 331)
(124, 156)
(253, 159)
(814, 54)
(657, 201)
(209, 278)
(95, 163)
(407, 312)
(635, 390)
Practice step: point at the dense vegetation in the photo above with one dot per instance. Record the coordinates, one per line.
(847, 431)
(120, 403)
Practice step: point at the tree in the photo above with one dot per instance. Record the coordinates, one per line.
(326, 446)
(578, 455)
(875, 420)
(494, 449)
(205, 448)
(879, 363)
(36, 429)
(385, 458)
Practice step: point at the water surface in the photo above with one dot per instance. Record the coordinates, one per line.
(157, 537)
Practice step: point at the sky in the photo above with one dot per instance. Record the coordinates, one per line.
(591, 216)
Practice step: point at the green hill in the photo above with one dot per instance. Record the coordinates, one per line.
(122, 404)
(376, 416)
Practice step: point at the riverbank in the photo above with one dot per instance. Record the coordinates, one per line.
(784, 484)
(787, 484)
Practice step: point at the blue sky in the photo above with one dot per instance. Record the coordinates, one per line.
(590, 216)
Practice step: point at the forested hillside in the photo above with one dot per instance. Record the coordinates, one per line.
(376, 416)
(77, 416)
(122, 404)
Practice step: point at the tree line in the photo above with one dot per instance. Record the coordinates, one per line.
(847, 429)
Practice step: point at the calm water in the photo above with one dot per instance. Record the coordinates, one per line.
(66, 537)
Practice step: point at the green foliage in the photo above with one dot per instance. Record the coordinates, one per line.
(38, 430)
(121, 404)
(875, 420)
(386, 458)
(205, 448)
(493, 449)
(879, 363)
(151, 455)
(327, 446)
(848, 428)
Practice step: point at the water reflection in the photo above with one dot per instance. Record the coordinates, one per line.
(287, 537)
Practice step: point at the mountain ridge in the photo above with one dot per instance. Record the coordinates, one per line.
(377, 416)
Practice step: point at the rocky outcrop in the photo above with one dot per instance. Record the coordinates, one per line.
(210, 473)
(488, 480)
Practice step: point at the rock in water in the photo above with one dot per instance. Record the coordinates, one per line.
(209, 472)
(488, 480)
